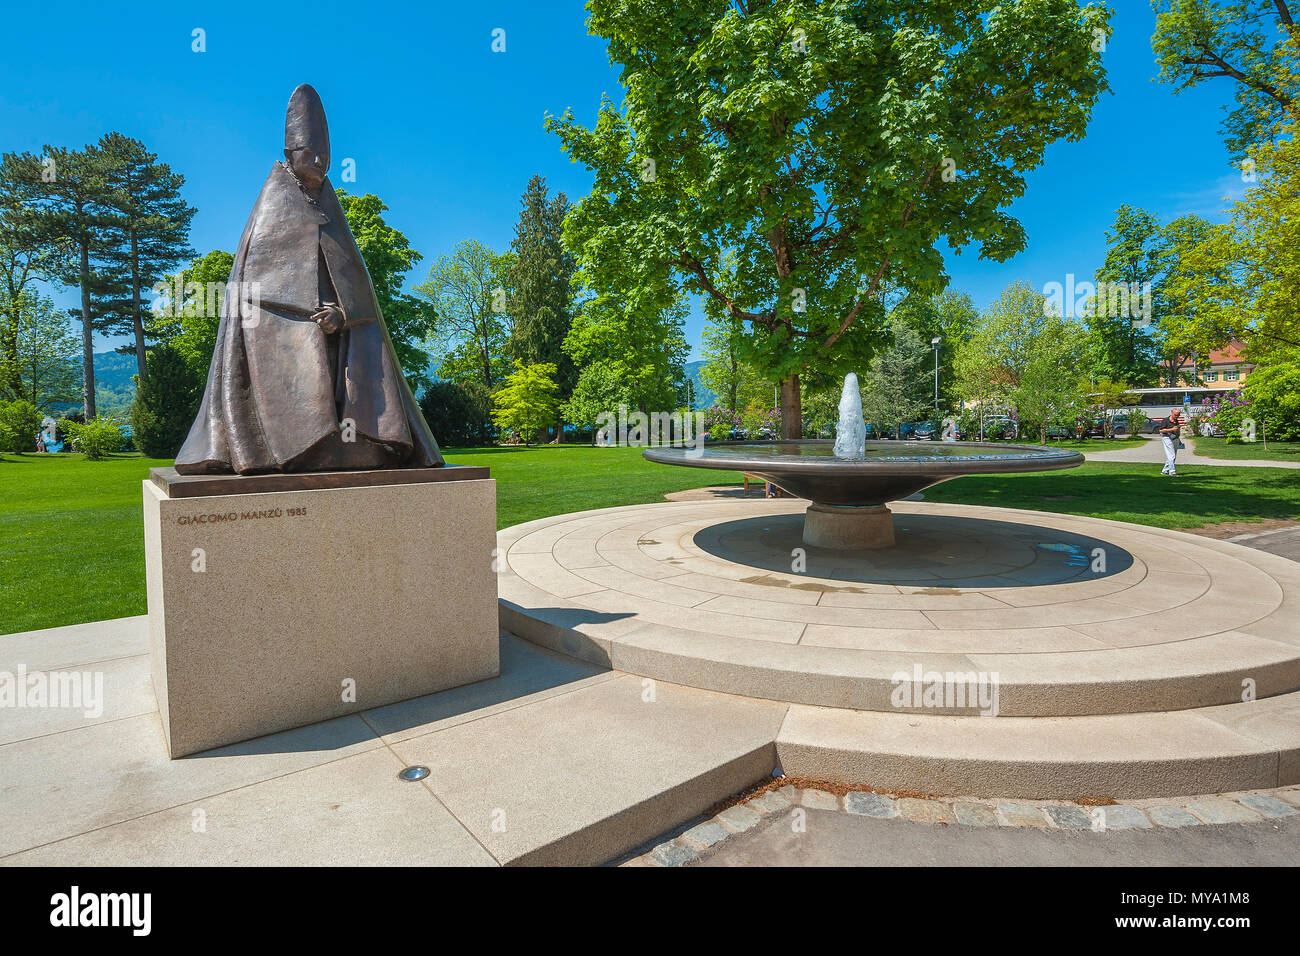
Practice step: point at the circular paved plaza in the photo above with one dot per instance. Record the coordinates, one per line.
(1125, 645)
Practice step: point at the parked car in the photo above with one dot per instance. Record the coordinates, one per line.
(1211, 430)
(1001, 428)
(925, 431)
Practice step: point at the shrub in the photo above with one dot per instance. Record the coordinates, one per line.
(20, 420)
(96, 438)
(166, 401)
(1274, 394)
(528, 401)
(458, 415)
(755, 421)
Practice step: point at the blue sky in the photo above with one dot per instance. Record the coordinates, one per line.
(448, 132)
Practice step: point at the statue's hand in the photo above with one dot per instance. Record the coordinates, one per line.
(329, 318)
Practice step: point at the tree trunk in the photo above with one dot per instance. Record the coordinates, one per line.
(135, 306)
(791, 409)
(87, 337)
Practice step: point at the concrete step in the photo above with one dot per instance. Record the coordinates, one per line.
(1250, 745)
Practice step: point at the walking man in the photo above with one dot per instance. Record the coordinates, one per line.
(1169, 429)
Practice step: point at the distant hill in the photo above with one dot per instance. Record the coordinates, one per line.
(704, 397)
(114, 386)
(114, 370)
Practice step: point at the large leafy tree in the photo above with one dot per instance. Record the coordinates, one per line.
(25, 258)
(1027, 357)
(1241, 280)
(389, 257)
(829, 147)
(541, 295)
(735, 382)
(188, 320)
(1249, 42)
(639, 340)
(45, 363)
(469, 291)
(950, 317)
(147, 233)
(1125, 347)
(1185, 329)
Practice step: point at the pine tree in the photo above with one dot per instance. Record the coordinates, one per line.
(147, 233)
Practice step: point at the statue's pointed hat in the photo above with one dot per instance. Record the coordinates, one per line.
(304, 122)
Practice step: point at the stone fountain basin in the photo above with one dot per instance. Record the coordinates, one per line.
(890, 471)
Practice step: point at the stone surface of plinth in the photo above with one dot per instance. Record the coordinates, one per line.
(272, 609)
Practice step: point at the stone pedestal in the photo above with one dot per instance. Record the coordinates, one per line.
(271, 609)
(848, 528)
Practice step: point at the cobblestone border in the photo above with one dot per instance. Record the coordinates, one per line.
(1254, 806)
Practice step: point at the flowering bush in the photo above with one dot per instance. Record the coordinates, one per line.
(756, 421)
(719, 421)
(1228, 412)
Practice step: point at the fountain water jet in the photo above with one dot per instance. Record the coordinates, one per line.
(851, 435)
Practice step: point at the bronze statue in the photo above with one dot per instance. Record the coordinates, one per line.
(304, 377)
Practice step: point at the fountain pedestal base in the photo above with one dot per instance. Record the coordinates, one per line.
(848, 528)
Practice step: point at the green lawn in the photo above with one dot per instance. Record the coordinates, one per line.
(1247, 451)
(71, 530)
(1200, 495)
(1098, 444)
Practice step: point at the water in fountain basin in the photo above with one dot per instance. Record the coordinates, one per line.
(851, 435)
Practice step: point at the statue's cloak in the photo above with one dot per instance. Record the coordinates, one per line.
(283, 394)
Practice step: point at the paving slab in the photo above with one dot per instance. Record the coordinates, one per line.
(74, 644)
(117, 688)
(1172, 816)
(1222, 811)
(975, 814)
(1267, 805)
(350, 812)
(622, 763)
(64, 784)
(529, 673)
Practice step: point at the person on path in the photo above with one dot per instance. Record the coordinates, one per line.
(1169, 429)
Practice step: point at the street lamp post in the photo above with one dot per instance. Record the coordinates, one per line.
(934, 343)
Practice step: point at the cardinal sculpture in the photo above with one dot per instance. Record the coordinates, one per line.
(304, 376)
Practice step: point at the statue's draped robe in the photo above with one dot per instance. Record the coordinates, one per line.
(280, 389)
